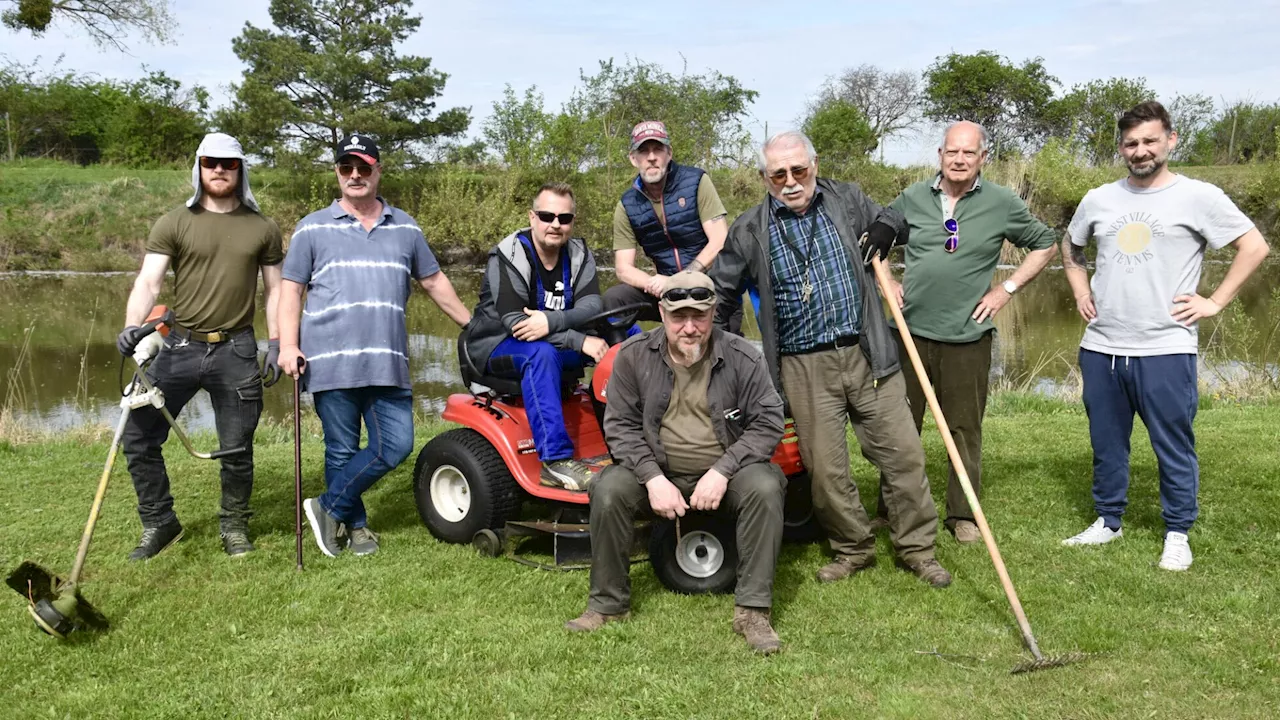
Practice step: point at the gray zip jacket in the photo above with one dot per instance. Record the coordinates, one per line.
(745, 261)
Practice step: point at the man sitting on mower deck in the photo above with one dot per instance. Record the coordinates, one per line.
(358, 260)
(539, 285)
(217, 243)
(692, 422)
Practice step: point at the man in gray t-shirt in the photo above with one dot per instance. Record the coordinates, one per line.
(357, 259)
(1139, 349)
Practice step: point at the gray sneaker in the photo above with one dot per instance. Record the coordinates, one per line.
(362, 541)
(156, 539)
(236, 543)
(569, 474)
(328, 531)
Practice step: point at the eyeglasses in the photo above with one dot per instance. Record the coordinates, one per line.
(549, 217)
(779, 177)
(953, 228)
(209, 163)
(698, 294)
(360, 169)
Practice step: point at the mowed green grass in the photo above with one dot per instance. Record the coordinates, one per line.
(428, 630)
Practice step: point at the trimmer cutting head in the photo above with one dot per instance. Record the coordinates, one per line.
(56, 607)
(1045, 662)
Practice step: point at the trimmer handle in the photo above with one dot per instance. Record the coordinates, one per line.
(224, 453)
(161, 319)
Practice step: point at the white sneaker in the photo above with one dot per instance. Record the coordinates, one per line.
(1096, 534)
(1177, 552)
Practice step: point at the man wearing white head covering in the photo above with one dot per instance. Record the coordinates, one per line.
(217, 243)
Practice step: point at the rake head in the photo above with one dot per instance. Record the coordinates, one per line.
(1046, 662)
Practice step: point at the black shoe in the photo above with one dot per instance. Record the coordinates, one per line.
(236, 543)
(156, 539)
(330, 534)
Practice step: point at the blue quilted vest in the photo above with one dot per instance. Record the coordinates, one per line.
(675, 246)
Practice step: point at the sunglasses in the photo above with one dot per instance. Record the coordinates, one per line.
(779, 177)
(360, 169)
(953, 229)
(209, 163)
(550, 217)
(698, 294)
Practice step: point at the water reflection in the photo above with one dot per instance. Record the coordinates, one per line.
(71, 371)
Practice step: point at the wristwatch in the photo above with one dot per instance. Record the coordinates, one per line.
(1010, 286)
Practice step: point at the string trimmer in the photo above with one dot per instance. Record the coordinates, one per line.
(55, 604)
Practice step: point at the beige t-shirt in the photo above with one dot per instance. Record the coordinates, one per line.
(709, 208)
(687, 434)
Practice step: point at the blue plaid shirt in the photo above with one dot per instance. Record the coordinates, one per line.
(834, 303)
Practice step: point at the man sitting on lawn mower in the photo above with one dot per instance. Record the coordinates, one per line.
(692, 422)
(539, 285)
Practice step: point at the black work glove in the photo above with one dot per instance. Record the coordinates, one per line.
(271, 365)
(879, 240)
(128, 339)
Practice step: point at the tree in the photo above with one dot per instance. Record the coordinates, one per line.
(840, 132)
(1244, 132)
(332, 69)
(106, 22)
(1009, 101)
(1086, 117)
(888, 101)
(517, 129)
(1191, 115)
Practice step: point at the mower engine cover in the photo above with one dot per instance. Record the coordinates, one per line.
(600, 376)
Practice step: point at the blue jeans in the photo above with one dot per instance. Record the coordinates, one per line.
(1162, 390)
(348, 469)
(539, 365)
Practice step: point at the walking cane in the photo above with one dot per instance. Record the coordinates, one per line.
(297, 461)
(1040, 662)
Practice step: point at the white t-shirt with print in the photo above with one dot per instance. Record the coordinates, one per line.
(1151, 242)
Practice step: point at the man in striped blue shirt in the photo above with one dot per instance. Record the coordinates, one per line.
(357, 260)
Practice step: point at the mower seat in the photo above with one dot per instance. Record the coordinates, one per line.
(480, 383)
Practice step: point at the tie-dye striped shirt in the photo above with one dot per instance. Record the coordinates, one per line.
(353, 324)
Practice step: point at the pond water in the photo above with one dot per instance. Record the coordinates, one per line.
(68, 373)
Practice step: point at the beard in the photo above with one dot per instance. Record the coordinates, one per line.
(219, 191)
(1157, 164)
(690, 352)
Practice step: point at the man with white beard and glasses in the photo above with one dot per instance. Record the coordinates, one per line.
(1138, 353)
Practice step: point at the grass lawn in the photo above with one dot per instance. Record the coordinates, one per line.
(434, 631)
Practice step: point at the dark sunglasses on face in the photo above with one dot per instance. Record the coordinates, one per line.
(779, 177)
(953, 228)
(360, 169)
(209, 163)
(678, 294)
(549, 217)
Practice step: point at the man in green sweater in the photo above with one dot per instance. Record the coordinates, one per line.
(958, 225)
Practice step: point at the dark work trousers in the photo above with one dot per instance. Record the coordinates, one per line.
(1161, 389)
(229, 372)
(960, 374)
(623, 294)
(829, 389)
(754, 496)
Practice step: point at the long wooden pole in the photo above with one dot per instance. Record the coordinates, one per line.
(882, 277)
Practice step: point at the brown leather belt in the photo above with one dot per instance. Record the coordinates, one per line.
(213, 338)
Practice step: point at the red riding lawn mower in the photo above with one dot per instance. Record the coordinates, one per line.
(470, 484)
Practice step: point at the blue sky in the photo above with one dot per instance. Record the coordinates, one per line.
(783, 50)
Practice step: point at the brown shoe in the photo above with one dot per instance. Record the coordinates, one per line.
(590, 621)
(753, 624)
(879, 523)
(966, 532)
(844, 566)
(930, 571)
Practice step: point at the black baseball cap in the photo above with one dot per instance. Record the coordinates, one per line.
(362, 146)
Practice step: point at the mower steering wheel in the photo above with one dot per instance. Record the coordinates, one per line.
(619, 318)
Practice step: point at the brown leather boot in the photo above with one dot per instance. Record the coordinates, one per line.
(844, 566)
(753, 624)
(590, 621)
(930, 571)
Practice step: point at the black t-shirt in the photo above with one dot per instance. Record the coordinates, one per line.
(553, 284)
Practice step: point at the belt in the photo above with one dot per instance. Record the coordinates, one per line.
(840, 342)
(213, 338)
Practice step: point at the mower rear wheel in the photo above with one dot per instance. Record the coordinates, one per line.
(461, 486)
(703, 559)
(799, 523)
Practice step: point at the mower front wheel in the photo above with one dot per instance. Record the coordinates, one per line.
(701, 558)
(461, 486)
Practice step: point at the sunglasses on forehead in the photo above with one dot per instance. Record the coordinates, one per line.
(360, 169)
(779, 177)
(550, 217)
(209, 163)
(953, 229)
(698, 294)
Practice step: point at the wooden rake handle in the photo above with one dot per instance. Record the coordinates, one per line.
(882, 278)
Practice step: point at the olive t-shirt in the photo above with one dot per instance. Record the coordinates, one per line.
(709, 208)
(687, 435)
(215, 259)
